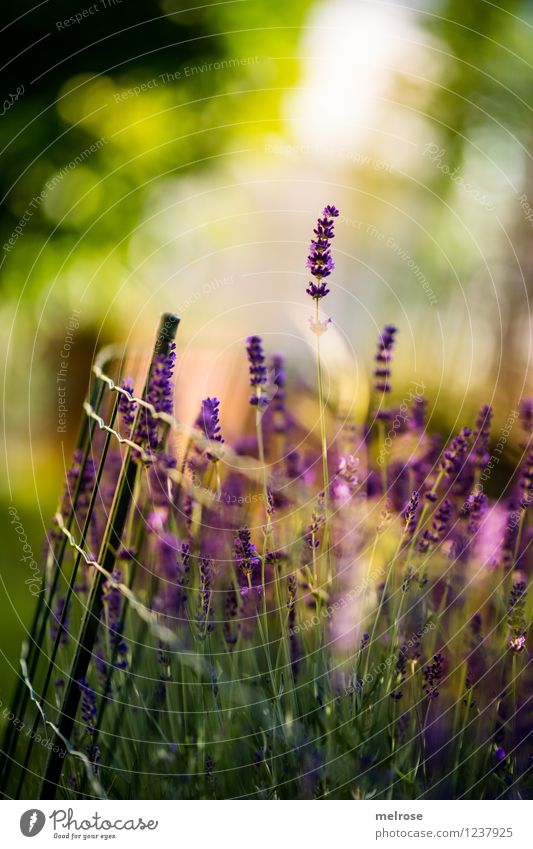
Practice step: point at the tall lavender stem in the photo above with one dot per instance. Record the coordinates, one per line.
(321, 265)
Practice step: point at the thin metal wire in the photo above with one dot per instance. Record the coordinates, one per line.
(148, 616)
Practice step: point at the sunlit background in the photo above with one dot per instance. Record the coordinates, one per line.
(162, 158)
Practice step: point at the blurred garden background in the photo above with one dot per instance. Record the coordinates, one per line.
(159, 157)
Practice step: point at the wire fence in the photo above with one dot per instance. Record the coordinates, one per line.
(35, 720)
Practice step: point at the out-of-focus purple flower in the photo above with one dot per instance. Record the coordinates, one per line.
(292, 587)
(418, 412)
(231, 607)
(170, 598)
(204, 615)
(480, 442)
(293, 465)
(70, 483)
(474, 509)
(126, 406)
(258, 371)
(454, 454)
(439, 526)
(365, 640)
(526, 416)
(511, 534)
(490, 536)
(88, 704)
(167, 548)
(279, 412)
(318, 519)
(516, 617)
(208, 423)
(526, 482)
(85, 489)
(185, 563)
(383, 359)
(160, 481)
(319, 260)
(401, 674)
(346, 478)
(112, 600)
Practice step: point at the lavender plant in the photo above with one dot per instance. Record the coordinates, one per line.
(209, 631)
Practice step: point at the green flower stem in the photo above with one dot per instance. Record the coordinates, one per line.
(324, 445)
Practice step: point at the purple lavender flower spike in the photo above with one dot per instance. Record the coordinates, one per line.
(160, 394)
(474, 509)
(208, 422)
(258, 371)
(204, 615)
(88, 715)
(246, 552)
(84, 491)
(292, 587)
(454, 455)
(88, 704)
(401, 673)
(318, 519)
(279, 410)
(439, 526)
(410, 514)
(112, 599)
(319, 260)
